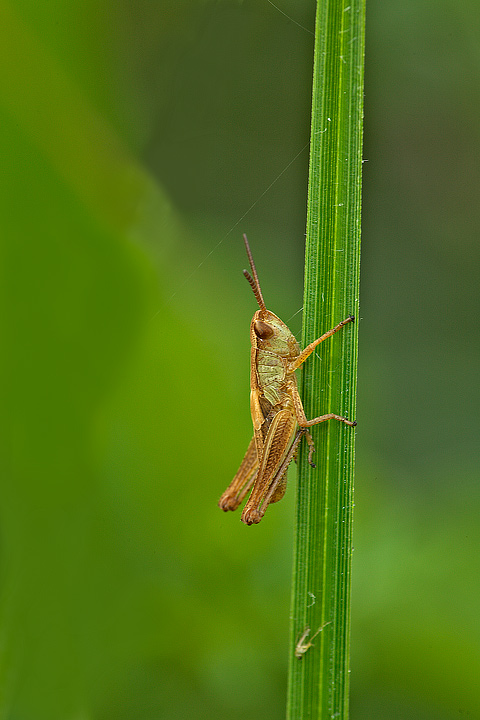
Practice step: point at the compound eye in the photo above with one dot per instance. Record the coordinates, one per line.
(263, 330)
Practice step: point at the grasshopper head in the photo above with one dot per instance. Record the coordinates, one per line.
(268, 331)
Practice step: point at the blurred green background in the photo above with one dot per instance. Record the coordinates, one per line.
(138, 141)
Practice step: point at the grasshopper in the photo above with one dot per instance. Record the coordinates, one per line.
(303, 644)
(279, 420)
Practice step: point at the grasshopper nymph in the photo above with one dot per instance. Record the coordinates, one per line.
(279, 420)
(304, 644)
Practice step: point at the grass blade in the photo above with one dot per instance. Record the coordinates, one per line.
(318, 680)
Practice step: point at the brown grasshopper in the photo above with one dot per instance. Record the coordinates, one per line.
(279, 420)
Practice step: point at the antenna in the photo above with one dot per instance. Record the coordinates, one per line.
(255, 285)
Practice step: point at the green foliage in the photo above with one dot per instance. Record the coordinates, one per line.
(138, 141)
(319, 682)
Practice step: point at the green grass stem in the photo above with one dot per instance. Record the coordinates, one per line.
(319, 680)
